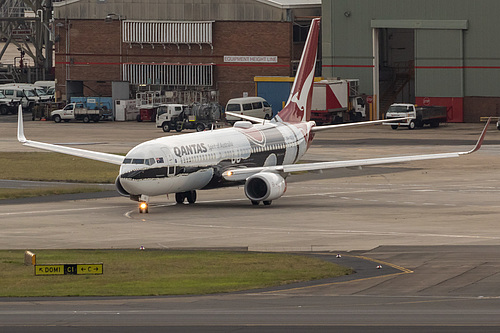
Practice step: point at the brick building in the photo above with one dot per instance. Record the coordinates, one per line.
(202, 46)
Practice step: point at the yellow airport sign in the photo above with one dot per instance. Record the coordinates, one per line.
(49, 269)
(69, 269)
(84, 269)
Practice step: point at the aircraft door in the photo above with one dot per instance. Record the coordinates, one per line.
(169, 159)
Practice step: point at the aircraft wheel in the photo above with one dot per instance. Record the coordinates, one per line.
(267, 202)
(394, 127)
(200, 127)
(143, 208)
(255, 203)
(179, 197)
(191, 196)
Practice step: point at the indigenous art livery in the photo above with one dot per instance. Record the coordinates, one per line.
(256, 153)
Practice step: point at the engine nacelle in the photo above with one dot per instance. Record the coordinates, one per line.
(265, 186)
(120, 188)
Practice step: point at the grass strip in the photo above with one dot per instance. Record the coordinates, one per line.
(159, 272)
(47, 166)
(8, 193)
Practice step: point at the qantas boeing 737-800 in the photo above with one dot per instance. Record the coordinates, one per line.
(256, 153)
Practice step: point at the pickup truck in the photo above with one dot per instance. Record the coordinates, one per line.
(418, 115)
(76, 111)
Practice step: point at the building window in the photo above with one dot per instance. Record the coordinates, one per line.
(192, 75)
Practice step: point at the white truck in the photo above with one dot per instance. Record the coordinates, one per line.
(418, 115)
(8, 104)
(76, 111)
(168, 117)
(337, 101)
(195, 116)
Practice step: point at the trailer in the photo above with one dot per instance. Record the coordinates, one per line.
(93, 103)
(76, 111)
(337, 101)
(418, 116)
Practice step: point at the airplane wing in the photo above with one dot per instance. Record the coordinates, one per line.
(254, 120)
(238, 174)
(93, 155)
(361, 123)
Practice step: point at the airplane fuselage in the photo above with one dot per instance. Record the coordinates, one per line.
(195, 161)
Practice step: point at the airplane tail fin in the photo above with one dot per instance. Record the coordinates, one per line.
(298, 106)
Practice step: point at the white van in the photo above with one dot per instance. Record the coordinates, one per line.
(249, 106)
(27, 97)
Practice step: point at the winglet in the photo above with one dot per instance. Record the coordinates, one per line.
(480, 140)
(20, 125)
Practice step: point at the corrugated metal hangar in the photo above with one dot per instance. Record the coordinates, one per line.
(418, 51)
(423, 51)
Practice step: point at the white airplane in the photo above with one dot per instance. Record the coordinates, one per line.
(256, 153)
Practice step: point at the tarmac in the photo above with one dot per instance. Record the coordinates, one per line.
(423, 237)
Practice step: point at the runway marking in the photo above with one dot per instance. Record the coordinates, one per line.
(402, 269)
(329, 232)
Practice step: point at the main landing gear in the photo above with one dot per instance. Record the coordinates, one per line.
(265, 202)
(182, 196)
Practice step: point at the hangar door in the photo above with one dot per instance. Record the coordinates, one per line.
(439, 63)
(439, 69)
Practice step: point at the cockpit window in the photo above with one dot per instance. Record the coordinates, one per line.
(147, 161)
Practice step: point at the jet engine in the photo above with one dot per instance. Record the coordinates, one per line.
(265, 186)
(120, 188)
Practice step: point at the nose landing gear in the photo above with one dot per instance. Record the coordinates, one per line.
(143, 208)
(143, 204)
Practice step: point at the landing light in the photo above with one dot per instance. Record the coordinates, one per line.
(143, 208)
(229, 173)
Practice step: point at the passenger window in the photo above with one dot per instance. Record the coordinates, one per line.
(257, 105)
(266, 104)
(233, 107)
(247, 106)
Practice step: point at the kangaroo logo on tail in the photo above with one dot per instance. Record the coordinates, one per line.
(298, 106)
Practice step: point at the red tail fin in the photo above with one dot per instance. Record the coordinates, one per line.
(298, 107)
